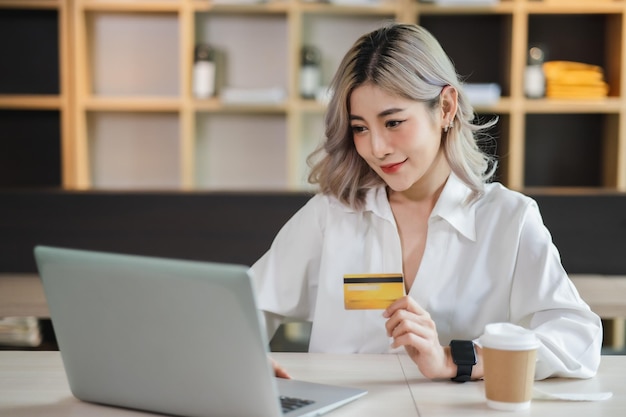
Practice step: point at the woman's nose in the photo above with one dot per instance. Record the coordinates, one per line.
(380, 145)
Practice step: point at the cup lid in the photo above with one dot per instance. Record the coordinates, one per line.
(507, 336)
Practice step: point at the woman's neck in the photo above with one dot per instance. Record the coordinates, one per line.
(428, 188)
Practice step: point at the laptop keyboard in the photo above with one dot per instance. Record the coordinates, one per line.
(290, 403)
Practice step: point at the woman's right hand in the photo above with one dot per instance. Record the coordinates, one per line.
(279, 371)
(412, 327)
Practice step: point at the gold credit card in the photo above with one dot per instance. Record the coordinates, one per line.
(371, 291)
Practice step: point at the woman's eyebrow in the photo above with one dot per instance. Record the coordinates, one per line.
(383, 113)
(390, 111)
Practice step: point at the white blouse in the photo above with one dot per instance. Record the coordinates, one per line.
(488, 261)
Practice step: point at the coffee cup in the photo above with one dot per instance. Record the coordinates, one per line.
(509, 356)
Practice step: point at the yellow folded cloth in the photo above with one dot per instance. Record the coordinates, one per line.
(553, 68)
(577, 77)
(576, 91)
(568, 79)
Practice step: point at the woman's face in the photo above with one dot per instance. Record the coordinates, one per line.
(400, 139)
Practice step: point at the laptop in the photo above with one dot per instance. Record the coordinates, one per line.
(169, 336)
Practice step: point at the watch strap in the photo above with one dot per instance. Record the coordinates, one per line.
(464, 357)
(463, 373)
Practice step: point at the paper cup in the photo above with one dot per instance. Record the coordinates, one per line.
(509, 355)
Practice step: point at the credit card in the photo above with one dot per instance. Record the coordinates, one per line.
(371, 291)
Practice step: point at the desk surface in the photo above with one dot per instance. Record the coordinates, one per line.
(34, 384)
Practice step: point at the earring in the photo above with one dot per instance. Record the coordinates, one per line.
(450, 126)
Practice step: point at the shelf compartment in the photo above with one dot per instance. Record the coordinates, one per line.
(29, 41)
(495, 142)
(30, 148)
(312, 135)
(241, 152)
(134, 150)
(590, 38)
(133, 54)
(251, 49)
(566, 150)
(483, 55)
(335, 34)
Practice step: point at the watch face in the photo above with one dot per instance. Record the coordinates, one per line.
(463, 352)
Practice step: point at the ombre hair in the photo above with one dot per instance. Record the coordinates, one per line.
(407, 61)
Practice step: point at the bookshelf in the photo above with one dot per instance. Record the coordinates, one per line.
(112, 105)
(35, 95)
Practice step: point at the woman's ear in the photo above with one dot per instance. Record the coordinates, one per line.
(448, 100)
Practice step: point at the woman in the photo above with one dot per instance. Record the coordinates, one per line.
(404, 188)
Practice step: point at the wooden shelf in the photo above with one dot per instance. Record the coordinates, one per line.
(268, 8)
(128, 65)
(35, 99)
(385, 8)
(31, 4)
(610, 105)
(132, 104)
(123, 6)
(216, 106)
(35, 102)
(503, 7)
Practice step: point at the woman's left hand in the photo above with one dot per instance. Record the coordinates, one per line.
(279, 371)
(412, 327)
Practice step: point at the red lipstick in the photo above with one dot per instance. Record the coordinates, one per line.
(392, 168)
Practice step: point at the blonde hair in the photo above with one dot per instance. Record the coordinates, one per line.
(407, 61)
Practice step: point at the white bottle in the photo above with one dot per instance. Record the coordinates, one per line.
(534, 81)
(534, 77)
(310, 72)
(204, 71)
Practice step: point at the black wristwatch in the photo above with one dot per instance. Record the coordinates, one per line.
(464, 356)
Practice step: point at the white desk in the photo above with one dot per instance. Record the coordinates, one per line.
(34, 384)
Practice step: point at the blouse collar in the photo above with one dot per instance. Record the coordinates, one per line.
(453, 206)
